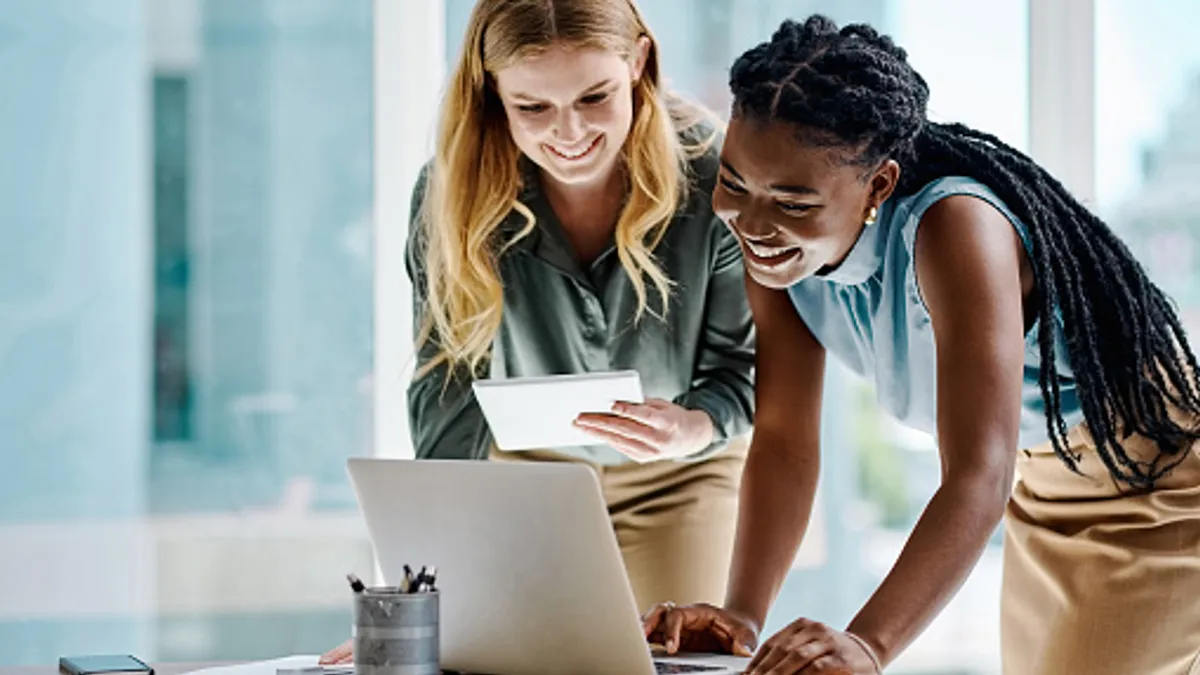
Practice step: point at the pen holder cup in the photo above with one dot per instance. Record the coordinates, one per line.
(396, 633)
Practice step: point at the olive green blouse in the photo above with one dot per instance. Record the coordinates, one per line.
(560, 317)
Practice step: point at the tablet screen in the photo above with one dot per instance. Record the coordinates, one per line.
(538, 412)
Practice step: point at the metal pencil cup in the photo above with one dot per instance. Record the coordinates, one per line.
(396, 633)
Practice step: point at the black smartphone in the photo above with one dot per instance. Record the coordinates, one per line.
(103, 663)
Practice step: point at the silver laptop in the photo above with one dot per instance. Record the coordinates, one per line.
(530, 576)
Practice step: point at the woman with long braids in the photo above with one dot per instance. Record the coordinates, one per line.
(991, 309)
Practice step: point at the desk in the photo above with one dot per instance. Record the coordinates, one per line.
(159, 668)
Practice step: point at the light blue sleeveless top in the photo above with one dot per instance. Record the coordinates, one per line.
(869, 314)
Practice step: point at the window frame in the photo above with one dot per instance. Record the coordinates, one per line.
(407, 33)
(1062, 92)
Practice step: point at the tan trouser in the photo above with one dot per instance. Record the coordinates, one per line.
(674, 521)
(1097, 582)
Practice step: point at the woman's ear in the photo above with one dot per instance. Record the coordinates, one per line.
(883, 184)
(640, 55)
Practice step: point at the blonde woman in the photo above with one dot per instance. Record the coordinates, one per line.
(565, 226)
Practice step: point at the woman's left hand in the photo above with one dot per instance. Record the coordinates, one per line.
(810, 648)
(656, 429)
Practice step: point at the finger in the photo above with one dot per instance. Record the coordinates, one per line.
(596, 418)
(799, 658)
(659, 404)
(628, 446)
(809, 640)
(764, 650)
(644, 413)
(738, 648)
(652, 620)
(804, 630)
(674, 629)
(622, 426)
(340, 654)
(634, 449)
(735, 637)
(826, 665)
(767, 657)
(638, 424)
(729, 644)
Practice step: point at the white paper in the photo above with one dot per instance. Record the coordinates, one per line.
(270, 667)
(538, 412)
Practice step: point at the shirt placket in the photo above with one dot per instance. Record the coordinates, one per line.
(595, 332)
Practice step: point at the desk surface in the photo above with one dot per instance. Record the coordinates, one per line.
(159, 668)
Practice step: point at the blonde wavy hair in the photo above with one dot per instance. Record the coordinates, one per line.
(475, 178)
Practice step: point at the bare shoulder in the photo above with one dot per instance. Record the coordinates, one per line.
(964, 234)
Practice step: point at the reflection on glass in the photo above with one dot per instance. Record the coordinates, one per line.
(185, 341)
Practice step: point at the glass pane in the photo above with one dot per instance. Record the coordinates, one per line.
(877, 477)
(1147, 139)
(185, 324)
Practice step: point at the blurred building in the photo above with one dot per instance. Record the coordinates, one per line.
(1162, 221)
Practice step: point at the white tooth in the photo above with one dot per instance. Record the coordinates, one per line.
(768, 253)
(573, 155)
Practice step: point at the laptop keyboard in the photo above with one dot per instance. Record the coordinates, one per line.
(666, 668)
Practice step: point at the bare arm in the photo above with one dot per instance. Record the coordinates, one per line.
(968, 261)
(780, 478)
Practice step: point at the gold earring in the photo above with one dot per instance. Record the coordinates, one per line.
(872, 217)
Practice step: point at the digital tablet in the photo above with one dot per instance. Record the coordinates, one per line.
(528, 413)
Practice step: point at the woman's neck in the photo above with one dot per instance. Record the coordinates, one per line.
(584, 201)
(588, 212)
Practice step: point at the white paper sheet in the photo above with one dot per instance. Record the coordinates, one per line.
(271, 666)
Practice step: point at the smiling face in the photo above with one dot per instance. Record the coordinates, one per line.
(570, 109)
(796, 209)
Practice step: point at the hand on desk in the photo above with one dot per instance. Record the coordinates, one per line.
(811, 648)
(343, 653)
(699, 628)
(803, 648)
(656, 429)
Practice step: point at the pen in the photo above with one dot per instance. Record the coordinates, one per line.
(426, 579)
(356, 584)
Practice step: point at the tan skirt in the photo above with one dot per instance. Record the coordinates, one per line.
(1097, 582)
(674, 521)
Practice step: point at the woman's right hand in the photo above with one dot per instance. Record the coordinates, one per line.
(343, 653)
(701, 628)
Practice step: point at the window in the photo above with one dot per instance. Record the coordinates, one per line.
(1147, 141)
(203, 309)
(172, 379)
(186, 317)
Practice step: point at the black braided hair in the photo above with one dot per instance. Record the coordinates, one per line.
(853, 88)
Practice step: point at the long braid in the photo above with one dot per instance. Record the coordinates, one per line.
(1130, 357)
